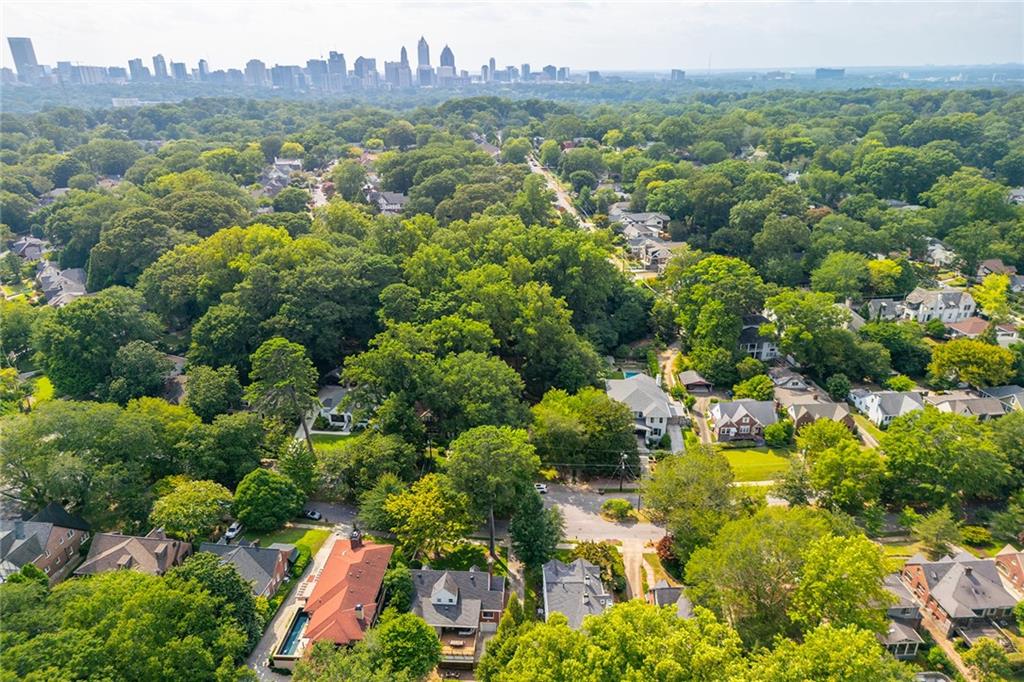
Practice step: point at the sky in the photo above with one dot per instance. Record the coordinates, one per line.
(610, 36)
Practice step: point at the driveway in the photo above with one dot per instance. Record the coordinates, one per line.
(562, 198)
(700, 411)
(581, 509)
(276, 629)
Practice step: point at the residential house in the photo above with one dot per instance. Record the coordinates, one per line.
(264, 568)
(961, 593)
(636, 234)
(663, 594)
(973, 327)
(787, 379)
(1010, 563)
(60, 287)
(693, 382)
(30, 248)
(51, 540)
(332, 407)
(288, 166)
(575, 590)
(754, 343)
(1017, 283)
(939, 255)
(742, 419)
(653, 410)
(1012, 397)
(803, 414)
(338, 603)
(881, 407)
(968, 404)
(459, 605)
(883, 310)
(391, 202)
(993, 266)
(54, 195)
(658, 221)
(1016, 195)
(154, 553)
(655, 255)
(901, 638)
(946, 305)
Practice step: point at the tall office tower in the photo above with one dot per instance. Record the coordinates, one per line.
(337, 71)
(256, 73)
(405, 56)
(178, 71)
(204, 70)
(422, 52)
(525, 72)
(391, 70)
(24, 59)
(159, 67)
(491, 69)
(118, 74)
(511, 74)
(677, 75)
(65, 72)
(316, 70)
(484, 75)
(563, 73)
(447, 57)
(550, 72)
(137, 71)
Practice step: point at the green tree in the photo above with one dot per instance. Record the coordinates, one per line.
(838, 387)
(292, 200)
(283, 382)
(900, 382)
(298, 463)
(847, 477)
(988, 661)
(842, 273)
(905, 342)
(132, 240)
(78, 343)
(212, 391)
(373, 512)
(266, 499)
(827, 653)
(349, 177)
(408, 644)
(355, 464)
(494, 467)
(193, 509)
(822, 434)
(937, 532)
(842, 584)
(399, 588)
(535, 531)
(515, 150)
(750, 569)
(759, 387)
(550, 153)
(223, 581)
(138, 369)
(429, 515)
(991, 296)
(691, 494)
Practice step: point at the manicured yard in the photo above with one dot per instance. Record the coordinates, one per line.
(863, 423)
(659, 571)
(756, 464)
(314, 539)
(467, 554)
(328, 438)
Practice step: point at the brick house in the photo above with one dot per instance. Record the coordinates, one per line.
(742, 419)
(50, 540)
(1011, 564)
(154, 553)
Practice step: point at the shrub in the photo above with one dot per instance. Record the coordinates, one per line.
(976, 535)
(900, 382)
(305, 556)
(838, 387)
(652, 363)
(779, 434)
(617, 508)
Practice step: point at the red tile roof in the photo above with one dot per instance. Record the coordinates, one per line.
(349, 577)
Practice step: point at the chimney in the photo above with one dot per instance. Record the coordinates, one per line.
(359, 611)
(586, 598)
(356, 538)
(968, 570)
(19, 530)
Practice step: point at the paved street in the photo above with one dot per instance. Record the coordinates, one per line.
(562, 198)
(700, 410)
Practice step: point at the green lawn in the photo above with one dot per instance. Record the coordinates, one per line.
(467, 554)
(314, 539)
(863, 423)
(659, 571)
(328, 438)
(756, 464)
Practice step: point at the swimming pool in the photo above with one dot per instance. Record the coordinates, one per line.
(291, 642)
(629, 373)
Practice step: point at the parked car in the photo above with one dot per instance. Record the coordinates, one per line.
(313, 514)
(234, 530)
(542, 488)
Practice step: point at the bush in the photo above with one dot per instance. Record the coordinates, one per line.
(305, 556)
(652, 363)
(665, 443)
(617, 508)
(838, 387)
(900, 382)
(976, 535)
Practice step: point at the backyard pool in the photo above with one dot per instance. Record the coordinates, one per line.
(291, 642)
(629, 373)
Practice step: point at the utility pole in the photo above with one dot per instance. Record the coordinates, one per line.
(622, 469)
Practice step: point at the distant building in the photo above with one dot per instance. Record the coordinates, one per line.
(447, 57)
(563, 73)
(677, 75)
(179, 71)
(159, 67)
(256, 73)
(829, 73)
(491, 68)
(204, 70)
(422, 52)
(550, 72)
(338, 72)
(24, 59)
(137, 70)
(593, 77)
(316, 70)
(524, 71)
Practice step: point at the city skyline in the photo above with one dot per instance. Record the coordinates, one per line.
(580, 35)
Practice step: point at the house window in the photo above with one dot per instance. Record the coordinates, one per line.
(61, 540)
(744, 429)
(47, 570)
(47, 554)
(70, 533)
(58, 560)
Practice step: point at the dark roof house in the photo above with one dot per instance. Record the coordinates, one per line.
(154, 553)
(262, 567)
(574, 590)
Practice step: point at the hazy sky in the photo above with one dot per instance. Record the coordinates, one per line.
(595, 35)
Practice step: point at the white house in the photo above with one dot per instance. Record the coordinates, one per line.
(947, 305)
(939, 255)
(651, 407)
(881, 407)
(755, 344)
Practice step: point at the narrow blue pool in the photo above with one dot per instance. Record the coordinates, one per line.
(630, 373)
(291, 642)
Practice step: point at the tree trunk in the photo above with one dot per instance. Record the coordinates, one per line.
(491, 543)
(305, 430)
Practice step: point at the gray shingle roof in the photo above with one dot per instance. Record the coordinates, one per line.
(899, 632)
(763, 411)
(21, 542)
(256, 565)
(642, 394)
(964, 584)
(574, 590)
(663, 594)
(475, 591)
